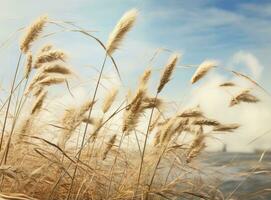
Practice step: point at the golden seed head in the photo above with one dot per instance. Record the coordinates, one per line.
(165, 78)
(203, 69)
(109, 99)
(28, 65)
(32, 33)
(121, 29)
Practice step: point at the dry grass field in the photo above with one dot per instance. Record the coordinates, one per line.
(113, 146)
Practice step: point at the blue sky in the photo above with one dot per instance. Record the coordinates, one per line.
(199, 29)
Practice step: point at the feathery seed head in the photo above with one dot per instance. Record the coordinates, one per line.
(149, 102)
(34, 82)
(196, 147)
(52, 80)
(133, 112)
(109, 99)
(28, 65)
(206, 122)
(123, 26)
(88, 120)
(203, 69)
(49, 56)
(109, 146)
(39, 102)
(244, 96)
(45, 48)
(32, 33)
(227, 84)
(144, 79)
(193, 112)
(56, 68)
(165, 78)
(71, 119)
(37, 90)
(226, 127)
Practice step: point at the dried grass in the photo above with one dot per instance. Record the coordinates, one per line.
(106, 165)
(32, 33)
(203, 69)
(123, 26)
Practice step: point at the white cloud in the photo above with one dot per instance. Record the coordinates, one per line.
(253, 118)
(250, 61)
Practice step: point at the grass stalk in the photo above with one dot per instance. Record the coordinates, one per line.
(9, 100)
(86, 127)
(145, 144)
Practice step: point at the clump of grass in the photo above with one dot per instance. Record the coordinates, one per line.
(71, 120)
(118, 158)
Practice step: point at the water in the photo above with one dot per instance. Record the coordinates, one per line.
(241, 173)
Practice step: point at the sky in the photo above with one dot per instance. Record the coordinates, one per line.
(235, 32)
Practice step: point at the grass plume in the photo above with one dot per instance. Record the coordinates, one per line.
(32, 33)
(121, 29)
(203, 69)
(167, 72)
